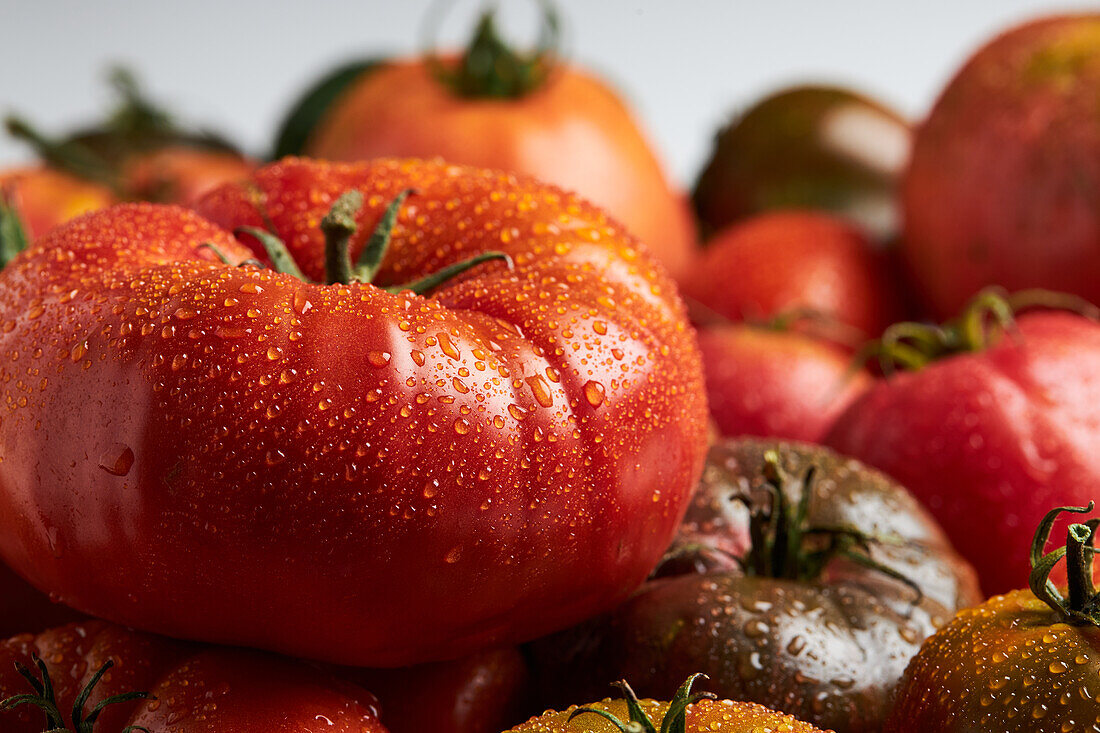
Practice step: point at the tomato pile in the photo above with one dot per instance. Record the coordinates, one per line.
(456, 409)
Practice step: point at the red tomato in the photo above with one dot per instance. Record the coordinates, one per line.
(774, 383)
(182, 175)
(795, 260)
(485, 692)
(191, 689)
(43, 198)
(339, 471)
(1003, 187)
(989, 441)
(553, 121)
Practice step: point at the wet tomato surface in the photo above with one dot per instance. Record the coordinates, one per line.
(187, 688)
(233, 454)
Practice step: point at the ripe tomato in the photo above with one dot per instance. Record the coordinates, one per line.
(1004, 183)
(1022, 662)
(807, 147)
(42, 198)
(493, 108)
(1004, 427)
(484, 692)
(776, 383)
(703, 715)
(783, 587)
(795, 261)
(340, 471)
(189, 689)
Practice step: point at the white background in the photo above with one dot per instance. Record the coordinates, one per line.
(685, 65)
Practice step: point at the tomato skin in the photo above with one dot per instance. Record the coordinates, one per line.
(807, 147)
(197, 690)
(242, 427)
(780, 384)
(1003, 187)
(790, 260)
(572, 131)
(1007, 432)
(1011, 664)
(43, 198)
(484, 692)
(706, 716)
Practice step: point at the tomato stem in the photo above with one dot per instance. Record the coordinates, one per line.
(674, 720)
(489, 67)
(783, 544)
(66, 156)
(45, 698)
(13, 235)
(1082, 606)
(338, 227)
(985, 319)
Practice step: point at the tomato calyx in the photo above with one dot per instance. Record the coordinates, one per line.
(783, 546)
(45, 698)
(339, 227)
(489, 68)
(1081, 605)
(64, 155)
(674, 721)
(13, 235)
(983, 322)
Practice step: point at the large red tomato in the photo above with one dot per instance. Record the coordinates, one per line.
(495, 108)
(795, 260)
(1003, 187)
(342, 471)
(187, 688)
(991, 437)
(776, 383)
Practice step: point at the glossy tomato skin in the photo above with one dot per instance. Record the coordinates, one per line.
(795, 260)
(1008, 432)
(807, 147)
(1003, 187)
(706, 716)
(771, 383)
(572, 131)
(484, 692)
(830, 650)
(1011, 664)
(194, 689)
(43, 198)
(339, 472)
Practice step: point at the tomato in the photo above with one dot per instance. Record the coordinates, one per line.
(494, 108)
(795, 261)
(484, 692)
(1025, 661)
(1004, 183)
(42, 198)
(993, 424)
(704, 715)
(807, 147)
(772, 382)
(23, 608)
(138, 152)
(185, 688)
(812, 600)
(340, 471)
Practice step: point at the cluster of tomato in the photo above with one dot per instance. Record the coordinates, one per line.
(442, 428)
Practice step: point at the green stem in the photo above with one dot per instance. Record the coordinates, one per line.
(69, 157)
(1082, 606)
(338, 227)
(1079, 567)
(13, 235)
(490, 68)
(370, 259)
